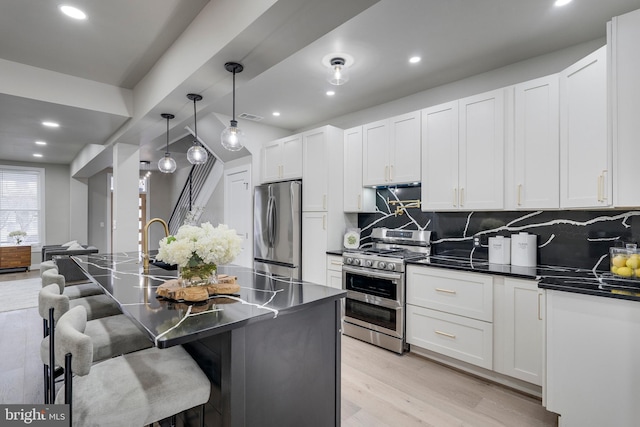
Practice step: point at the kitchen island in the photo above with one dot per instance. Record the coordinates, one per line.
(271, 352)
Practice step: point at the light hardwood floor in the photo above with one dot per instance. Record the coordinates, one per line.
(379, 388)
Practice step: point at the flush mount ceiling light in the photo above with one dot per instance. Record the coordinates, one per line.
(415, 59)
(167, 164)
(330, 93)
(73, 12)
(196, 154)
(338, 73)
(51, 124)
(41, 143)
(559, 3)
(232, 138)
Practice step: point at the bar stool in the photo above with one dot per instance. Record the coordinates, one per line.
(47, 265)
(80, 290)
(135, 389)
(51, 305)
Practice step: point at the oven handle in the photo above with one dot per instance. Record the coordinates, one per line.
(369, 273)
(372, 299)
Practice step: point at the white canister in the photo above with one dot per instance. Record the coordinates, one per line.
(499, 250)
(524, 250)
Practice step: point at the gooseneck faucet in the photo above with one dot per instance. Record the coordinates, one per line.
(145, 241)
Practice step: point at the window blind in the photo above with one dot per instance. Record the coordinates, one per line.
(20, 203)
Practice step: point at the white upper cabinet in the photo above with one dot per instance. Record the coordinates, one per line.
(585, 146)
(322, 169)
(463, 154)
(535, 175)
(624, 33)
(282, 159)
(356, 197)
(391, 150)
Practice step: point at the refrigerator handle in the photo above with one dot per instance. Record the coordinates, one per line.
(270, 222)
(274, 222)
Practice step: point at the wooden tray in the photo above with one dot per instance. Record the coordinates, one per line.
(173, 289)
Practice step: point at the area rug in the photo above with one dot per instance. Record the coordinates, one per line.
(19, 294)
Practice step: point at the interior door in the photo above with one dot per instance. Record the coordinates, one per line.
(238, 210)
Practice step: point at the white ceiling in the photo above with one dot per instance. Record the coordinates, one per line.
(122, 40)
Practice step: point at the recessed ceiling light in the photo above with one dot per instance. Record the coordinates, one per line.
(414, 59)
(51, 124)
(41, 143)
(559, 3)
(276, 113)
(72, 12)
(330, 93)
(37, 155)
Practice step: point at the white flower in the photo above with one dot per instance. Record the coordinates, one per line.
(193, 245)
(17, 233)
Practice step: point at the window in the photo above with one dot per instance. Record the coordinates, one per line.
(21, 203)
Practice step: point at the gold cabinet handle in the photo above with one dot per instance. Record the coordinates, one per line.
(391, 173)
(599, 188)
(445, 334)
(462, 196)
(337, 263)
(386, 173)
(519, 193)
(604, 193)
(324, 202)
(539, 307)
(324, 222)
(455, 197)
(359, 202)
(446, 291)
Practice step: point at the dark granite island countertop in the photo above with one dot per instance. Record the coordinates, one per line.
(276, 341)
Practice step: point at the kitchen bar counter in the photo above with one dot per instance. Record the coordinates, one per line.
(271, 352)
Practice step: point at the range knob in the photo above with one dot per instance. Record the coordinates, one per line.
(382, 264)
(349, 260)
(356, 261)
(391, 266)
(369, 263)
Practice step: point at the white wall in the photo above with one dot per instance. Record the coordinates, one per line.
(98, 221)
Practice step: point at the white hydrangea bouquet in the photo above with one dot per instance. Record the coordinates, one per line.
(199, 250)
(18, 235)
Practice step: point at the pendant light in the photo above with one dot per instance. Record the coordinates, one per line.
(196, 154)
(232, 138)
(338, 72)
(167, 164)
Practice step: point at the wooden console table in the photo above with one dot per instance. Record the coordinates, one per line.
(15, 257)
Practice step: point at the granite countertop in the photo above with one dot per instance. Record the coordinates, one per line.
(261, 297)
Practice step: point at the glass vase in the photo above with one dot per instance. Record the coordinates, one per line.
(199, 275)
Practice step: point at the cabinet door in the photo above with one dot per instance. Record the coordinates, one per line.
(314, 247)
(481, 160)
(271, 161)
(519, 329)
(375, 153)
(334, 271)
(585, 153)
(440, 157)
(356, 197)
(315, 168)
(404, 152)
(625, 97)
(537, 144)
(291, 157)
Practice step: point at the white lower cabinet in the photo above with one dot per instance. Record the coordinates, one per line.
(314, 245)
(518, 327)
(334, 271)
(451, 312)
(593, 374)
(493, 322)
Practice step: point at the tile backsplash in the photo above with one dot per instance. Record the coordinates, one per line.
(578, 239)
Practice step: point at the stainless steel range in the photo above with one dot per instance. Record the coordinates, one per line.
(374, 279)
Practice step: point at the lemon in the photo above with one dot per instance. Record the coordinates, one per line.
(633, 262)
(619, 261)
(614, 269)
(624, 272)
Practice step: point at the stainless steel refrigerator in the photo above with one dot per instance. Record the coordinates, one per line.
(277, 228)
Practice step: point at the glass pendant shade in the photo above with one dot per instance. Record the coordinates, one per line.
(197, 155)
(233, 138)
(338, 73)
(167, 164)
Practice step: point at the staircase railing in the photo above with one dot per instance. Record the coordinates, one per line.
(189, 194)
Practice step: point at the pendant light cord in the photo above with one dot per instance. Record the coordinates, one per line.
(195, 120)
(167, 151)
(234, 95)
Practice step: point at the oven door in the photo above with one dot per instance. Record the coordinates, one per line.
(375, 300)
